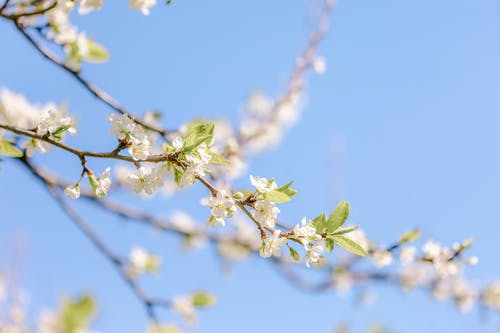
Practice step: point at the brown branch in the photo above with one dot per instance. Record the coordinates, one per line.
(97, 92)
(82, 153)
(26, 14)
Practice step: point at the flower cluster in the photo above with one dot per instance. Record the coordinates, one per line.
(265, 210)
(147, 179)
(100, 185)
(222, 206)
(306, 234)
(197, 164)
(134, 136)
(48, 120)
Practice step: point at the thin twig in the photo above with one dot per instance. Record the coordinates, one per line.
(97, 92)
(118, 263)
(26, 14)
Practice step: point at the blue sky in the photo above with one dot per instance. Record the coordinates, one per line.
(404, 125)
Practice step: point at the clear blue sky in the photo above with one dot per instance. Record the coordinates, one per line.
(410, 97)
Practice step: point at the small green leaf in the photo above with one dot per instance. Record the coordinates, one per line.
(217, 159)
(178, 175)
(349, 245)
(277, 196)
(203, 299)
(410, 236)
(319, 223)
(57, 135)
(199, 132)
(338, 217)
(330, 244)
(294, 254)
(76, 314)
(96, 53)
(286, 189)
(342, 231)
(7, 148)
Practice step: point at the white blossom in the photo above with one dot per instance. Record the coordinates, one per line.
(319, 65)
(177, 143)
(263, 185)
(122, 125)
(139, 141)
(184, 306)
(266, 212)
(382, 257)
(141, 261)
(471, 260)
(48, 322)
(306, 232)
(222, 206)
(465, 295)
(15, 110)
(73, 191)
(142, 5)
(140, 149)
(101, 185)
(491, 295)
(432, 249)
(414, 275)
(313, 255)
(86, 6)
(198, 163)
(343, 281)
(407, 254)
(146, 179)
(271, 245)
(54, 122)
(441, 259)
(33, 145)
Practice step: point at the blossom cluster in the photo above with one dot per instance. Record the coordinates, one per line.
(435, 266)
(47, 120)
(265, 120)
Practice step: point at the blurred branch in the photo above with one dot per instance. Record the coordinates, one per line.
(118, 263)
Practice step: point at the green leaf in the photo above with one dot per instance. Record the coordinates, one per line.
(96, 53)
(294, 254)
(342, 231)
(199, 132)
(330, 244)
(319, 223)
(349, 245)
(57, 135)
(338, 217)
(217, 159)
(202, 299)
(410, 236)
(7, 148)
(277, 196)
(177, 175)
(153, 264)
(286, 189)
(76, 314)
